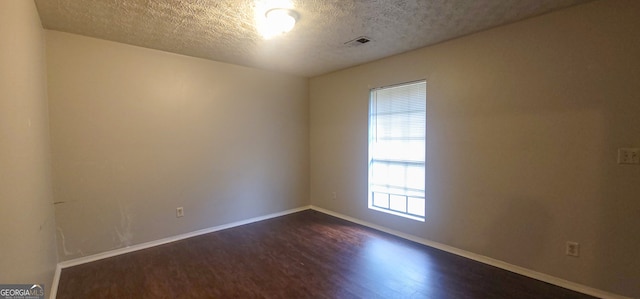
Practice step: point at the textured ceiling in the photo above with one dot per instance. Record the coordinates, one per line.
(224, 30)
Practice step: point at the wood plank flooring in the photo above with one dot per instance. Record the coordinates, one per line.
(302, 255)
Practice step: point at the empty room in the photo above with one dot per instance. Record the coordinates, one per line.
(320, 149)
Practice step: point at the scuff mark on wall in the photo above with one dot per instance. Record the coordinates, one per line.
(44, 224)
(64, 245)
(124, 233)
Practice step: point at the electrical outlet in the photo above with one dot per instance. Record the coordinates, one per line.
(179, 212)
(572, 249)
(628, 155)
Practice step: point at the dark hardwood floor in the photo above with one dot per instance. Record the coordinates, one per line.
(302, 255)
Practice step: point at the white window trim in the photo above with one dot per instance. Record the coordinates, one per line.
(370, 158)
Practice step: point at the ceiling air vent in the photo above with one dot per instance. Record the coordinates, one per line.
(358, 41)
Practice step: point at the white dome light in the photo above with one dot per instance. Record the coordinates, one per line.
(279, 20)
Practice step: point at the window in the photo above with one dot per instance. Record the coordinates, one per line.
(397, 149)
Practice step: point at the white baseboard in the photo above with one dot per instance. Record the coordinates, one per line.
(470, 255)
(54, 284)
(483, 259)
(119, 251)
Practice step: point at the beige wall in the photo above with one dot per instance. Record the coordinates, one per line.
(138, 132)
(524, 122)
(27, 226)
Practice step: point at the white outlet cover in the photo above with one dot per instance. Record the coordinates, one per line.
(572, 249)
(628, 155)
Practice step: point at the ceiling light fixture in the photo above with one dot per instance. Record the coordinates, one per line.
(279, 21)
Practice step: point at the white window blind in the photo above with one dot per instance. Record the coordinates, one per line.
(397, 147)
